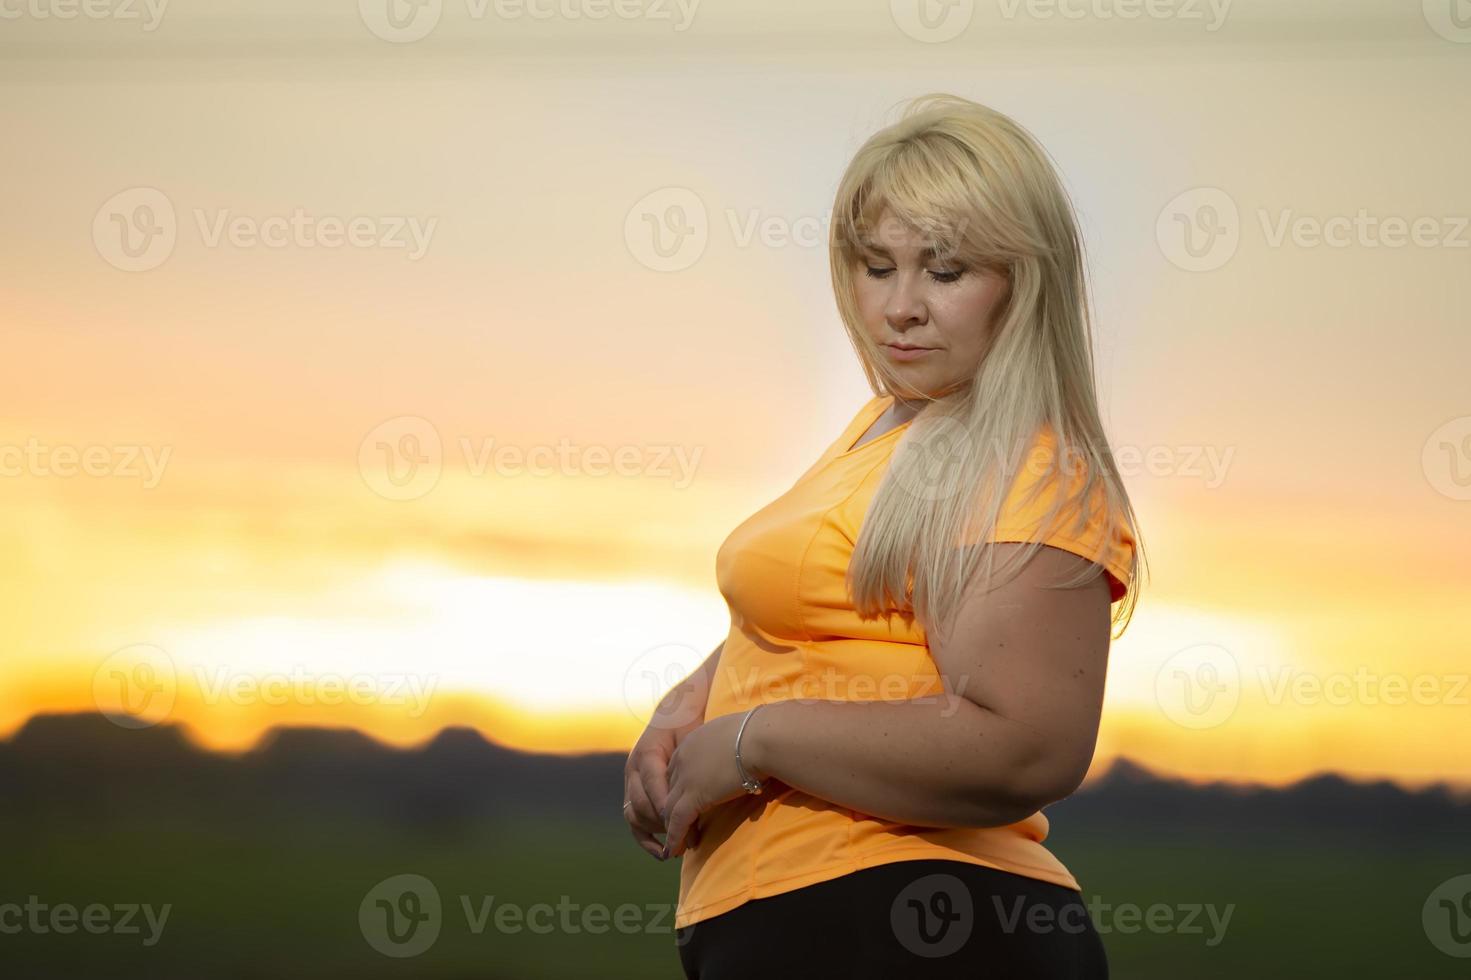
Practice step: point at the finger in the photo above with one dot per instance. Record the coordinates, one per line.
(648, 770)
(694, 832)
(648, 842)
(680, 819)
(654, 780)
(671, 790)
(642, 813)
(642, 820)
(692, 835)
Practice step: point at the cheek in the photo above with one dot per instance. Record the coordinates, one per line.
(870, 300)
(970, 315)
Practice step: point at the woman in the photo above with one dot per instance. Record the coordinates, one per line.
(923, 619)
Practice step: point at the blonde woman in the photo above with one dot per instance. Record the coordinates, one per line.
(920, 626)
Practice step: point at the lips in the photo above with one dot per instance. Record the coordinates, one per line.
(908, 347)
(898, 353)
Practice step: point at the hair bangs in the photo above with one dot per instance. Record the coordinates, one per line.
(919, 194)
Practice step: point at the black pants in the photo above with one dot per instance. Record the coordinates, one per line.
(902, 920)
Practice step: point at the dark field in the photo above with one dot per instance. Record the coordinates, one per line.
(283, 900)
(280, 863)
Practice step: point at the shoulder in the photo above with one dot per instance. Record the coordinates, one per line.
(1049, 500)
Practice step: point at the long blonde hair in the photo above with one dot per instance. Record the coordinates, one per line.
(986, 194)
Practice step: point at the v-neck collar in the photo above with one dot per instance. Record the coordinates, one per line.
(876, 409)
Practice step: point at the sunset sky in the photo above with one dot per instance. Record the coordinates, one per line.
(259, 259)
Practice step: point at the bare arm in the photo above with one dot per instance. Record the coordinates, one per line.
(645, 785)
(682, 709)
(1023, 669)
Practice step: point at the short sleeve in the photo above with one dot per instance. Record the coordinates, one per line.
(1076, 528)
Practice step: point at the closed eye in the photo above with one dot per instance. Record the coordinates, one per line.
(942, 277)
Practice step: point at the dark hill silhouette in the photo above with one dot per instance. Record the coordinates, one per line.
(83, 767)
(1131, 799)
(80, 766)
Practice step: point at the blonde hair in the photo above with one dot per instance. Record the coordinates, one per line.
(985, 194)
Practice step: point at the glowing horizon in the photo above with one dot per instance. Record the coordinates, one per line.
(504, 453)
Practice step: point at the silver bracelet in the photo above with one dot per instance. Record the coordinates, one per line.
(750, 785)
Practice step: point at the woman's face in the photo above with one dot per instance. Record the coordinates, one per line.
(908, 298)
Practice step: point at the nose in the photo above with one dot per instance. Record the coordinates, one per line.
(905, 307)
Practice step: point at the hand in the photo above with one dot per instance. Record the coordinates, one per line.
(644, 786)
(702, 774)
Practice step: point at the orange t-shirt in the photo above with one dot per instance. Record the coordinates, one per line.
(794, 634)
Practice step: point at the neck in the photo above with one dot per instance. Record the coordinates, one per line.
(904, 410)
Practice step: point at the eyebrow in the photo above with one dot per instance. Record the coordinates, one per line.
(929, 252)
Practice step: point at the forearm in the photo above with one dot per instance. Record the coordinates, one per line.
(682, 709)
(941, 761)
